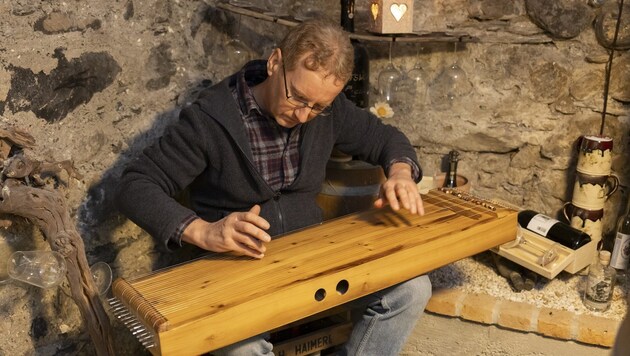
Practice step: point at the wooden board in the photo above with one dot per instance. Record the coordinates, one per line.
(220, 299)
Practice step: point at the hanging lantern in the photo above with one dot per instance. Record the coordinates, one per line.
(391, 16)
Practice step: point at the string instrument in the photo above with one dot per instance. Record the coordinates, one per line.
(220, 299)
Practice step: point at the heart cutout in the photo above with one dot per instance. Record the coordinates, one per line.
(398, 11)
(374, 9)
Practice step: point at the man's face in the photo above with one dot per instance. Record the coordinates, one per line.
(308, 92)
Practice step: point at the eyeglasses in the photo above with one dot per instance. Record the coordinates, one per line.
(301, 104)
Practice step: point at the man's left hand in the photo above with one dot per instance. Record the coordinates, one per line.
(400, 189)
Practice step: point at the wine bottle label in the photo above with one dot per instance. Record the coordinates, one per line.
(541, 224)
(621, 251)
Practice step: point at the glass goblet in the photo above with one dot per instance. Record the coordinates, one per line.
(47, 269)
(386, 82)
(44, 269)
(237, 53)
(450, 84)
(102, 275)
(404, 92)
(419, 78)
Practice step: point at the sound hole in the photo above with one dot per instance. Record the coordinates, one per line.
(320, 294)
(342, 286)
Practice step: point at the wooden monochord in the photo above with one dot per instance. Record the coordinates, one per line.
(219, 299)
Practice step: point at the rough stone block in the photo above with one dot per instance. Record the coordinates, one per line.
(597, 330)
(479, 308)
(555, 323)
(516, 315)
(446, 302)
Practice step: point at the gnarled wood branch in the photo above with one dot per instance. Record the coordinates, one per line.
(46, 208)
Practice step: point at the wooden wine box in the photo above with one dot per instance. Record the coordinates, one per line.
(528, 254)
(391, 16)
(582, 257)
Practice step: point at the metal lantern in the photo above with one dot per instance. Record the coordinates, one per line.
(391, 16)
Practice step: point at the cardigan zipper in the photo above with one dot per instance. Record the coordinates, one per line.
(280, 217)
(276, 194)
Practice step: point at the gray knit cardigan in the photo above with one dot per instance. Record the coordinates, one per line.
(207, 150)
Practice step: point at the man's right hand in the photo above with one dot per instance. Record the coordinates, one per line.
(241, 232)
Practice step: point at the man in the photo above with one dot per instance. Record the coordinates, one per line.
(253, 151)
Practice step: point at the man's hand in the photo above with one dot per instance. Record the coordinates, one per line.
(400, 189)
(243, 233)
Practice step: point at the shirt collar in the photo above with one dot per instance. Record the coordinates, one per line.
(253, 73)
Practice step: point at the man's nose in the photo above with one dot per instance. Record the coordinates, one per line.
(303, 114)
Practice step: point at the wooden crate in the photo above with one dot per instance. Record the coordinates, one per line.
(568, 260)
(314, 334)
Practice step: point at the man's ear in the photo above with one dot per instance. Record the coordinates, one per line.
(274, 62)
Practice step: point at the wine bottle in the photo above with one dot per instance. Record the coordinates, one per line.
(621, 248)
(358, 87)
(600, 283)
(450, 179)
(553, 229)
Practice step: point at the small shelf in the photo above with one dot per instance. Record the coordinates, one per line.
(363, 36)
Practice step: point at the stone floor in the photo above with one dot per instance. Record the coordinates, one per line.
(438, 335)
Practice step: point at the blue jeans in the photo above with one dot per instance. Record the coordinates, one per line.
(389, 317)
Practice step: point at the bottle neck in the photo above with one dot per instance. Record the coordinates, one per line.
(347, 15)
(452, 167)
(453, 158)
(604, 258)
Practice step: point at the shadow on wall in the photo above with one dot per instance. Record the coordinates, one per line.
(97, 214)
(52, 96)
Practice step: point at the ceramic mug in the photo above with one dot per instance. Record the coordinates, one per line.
(591, 192)
(589, 221)
(595, 155)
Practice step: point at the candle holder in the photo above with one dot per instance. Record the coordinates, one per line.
(391, 16)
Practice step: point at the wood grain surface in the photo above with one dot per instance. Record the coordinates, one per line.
(220, 299)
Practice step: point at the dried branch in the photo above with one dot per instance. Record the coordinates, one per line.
(26, 193)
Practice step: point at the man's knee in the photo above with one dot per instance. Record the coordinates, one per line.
(420, 290)
(257, 345)
(412, 294)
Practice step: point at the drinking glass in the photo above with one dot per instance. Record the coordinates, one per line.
(543, 255)
(387, 79)
(44, 269)
(102, 275)
(451, 83)
(404, 92)
(47, 269)
(233, 51)
(418, 77)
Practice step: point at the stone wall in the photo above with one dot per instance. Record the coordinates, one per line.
(95, 81)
